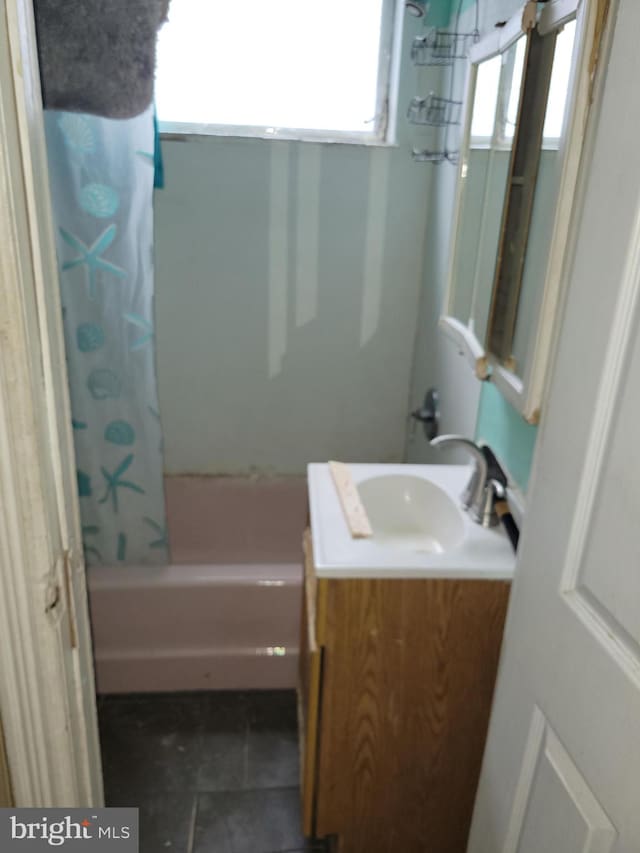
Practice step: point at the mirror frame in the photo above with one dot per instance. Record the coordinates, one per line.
(525, 391)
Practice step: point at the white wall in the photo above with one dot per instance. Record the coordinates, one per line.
(288, 281)
(437, 362)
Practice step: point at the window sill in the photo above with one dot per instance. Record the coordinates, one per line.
(184, 132)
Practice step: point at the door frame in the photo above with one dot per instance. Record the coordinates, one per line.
(6, 794)
(47, 693)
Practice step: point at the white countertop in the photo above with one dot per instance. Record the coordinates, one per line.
(482, 554)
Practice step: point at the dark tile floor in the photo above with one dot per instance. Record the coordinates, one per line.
(210, 772)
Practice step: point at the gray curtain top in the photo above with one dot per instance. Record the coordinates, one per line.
(98, 56)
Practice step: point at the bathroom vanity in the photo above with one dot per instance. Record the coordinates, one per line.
(397, 670)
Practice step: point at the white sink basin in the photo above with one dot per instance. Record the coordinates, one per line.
(411, 512)
(419, 528)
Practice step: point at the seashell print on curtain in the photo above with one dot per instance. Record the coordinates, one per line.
(101, 175)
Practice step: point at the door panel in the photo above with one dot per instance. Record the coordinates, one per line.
(554, 808)
(560, 770)
(605, 585)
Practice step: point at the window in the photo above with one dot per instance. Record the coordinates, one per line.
(281, 68)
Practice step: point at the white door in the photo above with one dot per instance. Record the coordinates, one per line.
(47, 698)
(561, 771)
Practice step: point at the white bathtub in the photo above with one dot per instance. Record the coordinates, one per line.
(226, 613)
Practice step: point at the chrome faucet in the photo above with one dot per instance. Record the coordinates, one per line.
(479, 496)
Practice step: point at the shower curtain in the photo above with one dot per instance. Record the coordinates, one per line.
(101, 174)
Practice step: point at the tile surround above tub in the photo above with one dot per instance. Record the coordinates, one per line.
(288, 279)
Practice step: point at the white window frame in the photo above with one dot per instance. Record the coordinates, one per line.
(383, 131)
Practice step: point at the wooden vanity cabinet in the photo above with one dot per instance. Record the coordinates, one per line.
(396, 682)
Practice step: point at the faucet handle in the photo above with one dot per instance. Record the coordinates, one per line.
(487, 479)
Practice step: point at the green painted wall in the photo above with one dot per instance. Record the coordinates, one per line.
(504, 429)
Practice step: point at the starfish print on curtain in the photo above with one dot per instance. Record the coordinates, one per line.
(102, 192)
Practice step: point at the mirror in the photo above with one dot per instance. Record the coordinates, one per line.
(545, 200)
(525, 108)
(495, 93)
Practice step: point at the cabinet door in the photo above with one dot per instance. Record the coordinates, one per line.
(408, 670)
(309, 690)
